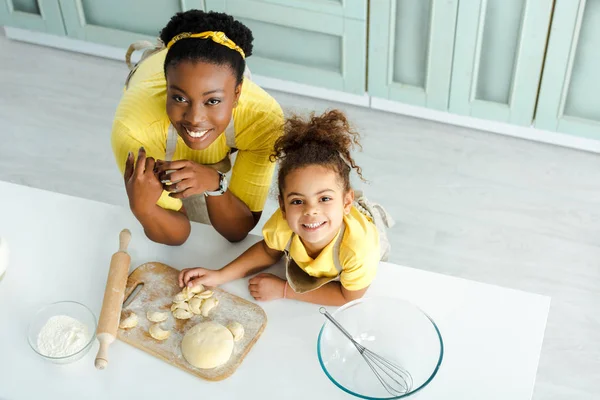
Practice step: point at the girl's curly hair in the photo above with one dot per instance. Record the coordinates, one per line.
(324, 139)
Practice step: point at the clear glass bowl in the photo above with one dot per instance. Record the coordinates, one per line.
(393, 328)
(68, 308)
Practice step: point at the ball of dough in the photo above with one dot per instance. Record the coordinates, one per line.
(208, 305)
(207, 345)
(205, 294)
(156, 316)
(237, 330)
(195, 304)
(129, 322)
(158, 333)
(182, 314)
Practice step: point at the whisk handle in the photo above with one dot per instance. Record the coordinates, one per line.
(323, 311)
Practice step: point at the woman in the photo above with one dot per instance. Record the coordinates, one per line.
(186, 108)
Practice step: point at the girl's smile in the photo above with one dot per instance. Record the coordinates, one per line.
(314, 205)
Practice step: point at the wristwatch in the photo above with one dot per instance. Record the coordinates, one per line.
(222, 186)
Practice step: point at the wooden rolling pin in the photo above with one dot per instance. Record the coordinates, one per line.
(113, 299)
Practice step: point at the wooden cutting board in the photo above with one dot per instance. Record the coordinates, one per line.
(156, 294)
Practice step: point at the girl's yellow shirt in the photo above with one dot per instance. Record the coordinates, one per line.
(141, 120)
(359, 250)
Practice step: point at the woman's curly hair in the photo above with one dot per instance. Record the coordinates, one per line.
(325, 139)
(205, 50)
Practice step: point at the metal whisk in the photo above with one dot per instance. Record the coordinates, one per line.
(395, 379)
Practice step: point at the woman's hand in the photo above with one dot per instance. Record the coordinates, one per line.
(193, 276)
(142, 185)
(185, 178)
(266, 287)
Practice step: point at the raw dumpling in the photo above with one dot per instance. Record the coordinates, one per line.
(158, 333)
(204, 295)
(184, 295)
(208, 305)
(180, 313)
(129, 322)
(207, 345)
(156, 316)
(195, 304)
(179, 297)
(237, 330)
(196, 289)
(182, 305)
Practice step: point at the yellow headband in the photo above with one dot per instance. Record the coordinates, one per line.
(217, 37)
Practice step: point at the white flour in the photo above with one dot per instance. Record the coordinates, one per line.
(62, 336)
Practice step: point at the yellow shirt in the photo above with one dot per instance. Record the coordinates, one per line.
(141, 120)
(359, 250)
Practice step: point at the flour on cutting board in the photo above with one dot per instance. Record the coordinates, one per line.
(157, 295)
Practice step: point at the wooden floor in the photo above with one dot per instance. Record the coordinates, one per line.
(467, 203)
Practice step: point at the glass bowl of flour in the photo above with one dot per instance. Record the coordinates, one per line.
(62, 332)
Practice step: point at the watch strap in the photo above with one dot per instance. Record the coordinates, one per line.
(222, 186)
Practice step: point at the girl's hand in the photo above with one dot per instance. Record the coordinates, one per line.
(184, 178)
(193, 276)
(265, 287)
(141, 184)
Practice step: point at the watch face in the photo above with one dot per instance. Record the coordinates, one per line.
(223, 183)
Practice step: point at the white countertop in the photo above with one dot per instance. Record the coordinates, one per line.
(61, 248)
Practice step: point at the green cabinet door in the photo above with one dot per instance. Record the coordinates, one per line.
(356, 9)
(294, 42)
(498, 57)
(410, 50)
(35, 15)
(570, 92)
(119, 23)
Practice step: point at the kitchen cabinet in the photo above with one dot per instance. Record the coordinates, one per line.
(35, 15)
(410, 51)
(119, 23)
(498, 56)
(356, 9)
(569, 100)
(318, 42)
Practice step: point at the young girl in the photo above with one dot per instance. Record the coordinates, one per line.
(332, 249)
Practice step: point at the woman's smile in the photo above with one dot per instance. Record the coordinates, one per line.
(197, 134)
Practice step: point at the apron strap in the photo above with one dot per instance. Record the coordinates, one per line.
(380, 218)
(149, 49)
(372, 210)
(171, 143)
(287, 246)
(230, 134)
(336, 249)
